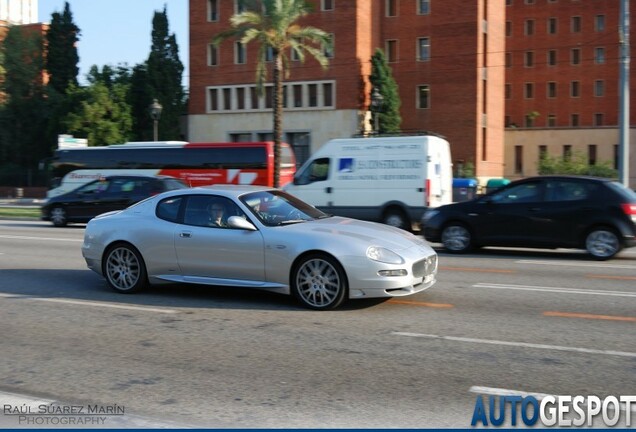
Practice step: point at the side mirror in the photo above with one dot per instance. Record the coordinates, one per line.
(240, 223)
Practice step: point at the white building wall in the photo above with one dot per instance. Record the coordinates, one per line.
(19, 11)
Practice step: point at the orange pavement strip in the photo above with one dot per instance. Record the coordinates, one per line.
(611, 277)
(590, 316)
(469, 269)
(426, 304)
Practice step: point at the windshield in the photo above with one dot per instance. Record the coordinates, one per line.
(276, 207)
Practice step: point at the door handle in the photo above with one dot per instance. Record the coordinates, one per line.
(185, 234)
(328, 189)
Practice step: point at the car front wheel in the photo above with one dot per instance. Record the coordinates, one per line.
(319, 282)
(456, 238)
(602, 243)
(124, 269)
(58, 216)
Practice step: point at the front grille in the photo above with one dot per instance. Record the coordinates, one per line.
(425, 267)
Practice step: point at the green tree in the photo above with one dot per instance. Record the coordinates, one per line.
(62, 57)
(389, 120)
(164, 72)
(140, 98)
(274, 26)
(102, 113)
(577, 164)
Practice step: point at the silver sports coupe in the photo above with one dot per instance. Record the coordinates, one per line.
(256, 237)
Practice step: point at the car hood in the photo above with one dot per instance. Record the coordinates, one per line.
(371, 233)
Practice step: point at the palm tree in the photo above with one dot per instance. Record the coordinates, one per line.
(273, 24)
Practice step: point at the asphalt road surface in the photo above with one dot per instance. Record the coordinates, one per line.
(498, 322)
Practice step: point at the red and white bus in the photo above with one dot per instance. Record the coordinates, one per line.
(197, 164)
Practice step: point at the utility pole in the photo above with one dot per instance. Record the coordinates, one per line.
(623, 90)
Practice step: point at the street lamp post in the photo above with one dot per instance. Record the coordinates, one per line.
(376, 106)
(155, 113)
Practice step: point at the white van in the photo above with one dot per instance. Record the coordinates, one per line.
(386, 179)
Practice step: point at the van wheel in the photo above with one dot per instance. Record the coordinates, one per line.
(396, 218)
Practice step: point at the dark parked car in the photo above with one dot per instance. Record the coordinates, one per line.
(598, 215)
(104, 195)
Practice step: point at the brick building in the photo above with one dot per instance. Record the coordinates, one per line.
(446, 58)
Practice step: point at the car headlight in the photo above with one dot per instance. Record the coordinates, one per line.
(383, 255)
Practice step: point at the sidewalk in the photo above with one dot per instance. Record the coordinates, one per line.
(21, 202)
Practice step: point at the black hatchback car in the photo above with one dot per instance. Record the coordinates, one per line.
(598, 215)
(104, 195)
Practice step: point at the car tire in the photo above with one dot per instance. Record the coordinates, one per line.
(602, 243)
(124, 268)
(456, 238)
(397, 218)
(58, 216)
(318, 282)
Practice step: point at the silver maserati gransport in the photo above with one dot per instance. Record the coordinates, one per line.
(255, 237)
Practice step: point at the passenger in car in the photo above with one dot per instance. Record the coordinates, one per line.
(217, 215)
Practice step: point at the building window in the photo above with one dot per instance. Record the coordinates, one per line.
(391, 8)
(508, 2)
(254, 97)
(391, 51)
(575, 89)
(227, 99)
(240, 98)
(551, 120)
(552, 25)
(574, 120)
(269, 97)
(529, 2)
(298, 96)
(294, 54)
(543, 152)
(423, 7)
(239, 6)
(529, 27)
(269, 54)
(599, 88)
(591, 154)
(329, 51)
(599, 23)
(213, 10)
(326, 5)
(576, 24)
(575, 56)
(508, 28)
(599, 55)
(508, 91)
(423, 97)
(423, 49)
(528, 91)
(213, 55)
(327, 90)
(213, 101)
(552, 89)
(508, 59)
(552, 57)
(239, 53)
(598, 119)
(312, 90)
(567, 152)
(529, 59)
(518, 159)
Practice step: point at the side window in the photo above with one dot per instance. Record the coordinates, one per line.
(168, 209)
(210, 211)
(317, 171)
(523, 193)
(566, 191)
(95, 187)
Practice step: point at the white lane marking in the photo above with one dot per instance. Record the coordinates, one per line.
(518, 344)
(40, 238)
(90, 303)
(507, 392)
(556, 289)
(576, 264)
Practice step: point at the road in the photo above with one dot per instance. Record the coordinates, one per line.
(549, 322)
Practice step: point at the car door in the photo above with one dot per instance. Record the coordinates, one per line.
(512, 216)
(209, 251)
(85, 203)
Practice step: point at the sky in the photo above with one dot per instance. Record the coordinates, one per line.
(114, 32)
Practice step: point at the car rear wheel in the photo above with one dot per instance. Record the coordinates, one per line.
(58, 216)
(397, 218)
(319, 282)
(602, 243)
(124, 269)
(456, 238)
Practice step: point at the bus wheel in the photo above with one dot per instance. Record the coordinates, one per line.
(58, 216)
(396, 217)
